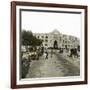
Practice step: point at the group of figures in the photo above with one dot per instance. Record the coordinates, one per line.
(73, 52)
(45, 55)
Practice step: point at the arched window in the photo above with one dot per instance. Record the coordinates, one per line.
(45, 44)
(46, 40)
(46, 36)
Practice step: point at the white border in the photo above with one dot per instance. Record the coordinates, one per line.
(50, 80)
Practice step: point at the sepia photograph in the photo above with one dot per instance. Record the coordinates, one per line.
(48, 44)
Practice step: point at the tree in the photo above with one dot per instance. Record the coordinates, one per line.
(29, 39)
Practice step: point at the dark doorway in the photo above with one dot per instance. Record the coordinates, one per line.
(65, 46)
(55, 45)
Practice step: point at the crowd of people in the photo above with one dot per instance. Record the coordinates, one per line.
(73, 52)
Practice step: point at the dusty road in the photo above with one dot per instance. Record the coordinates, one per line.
(55, 66)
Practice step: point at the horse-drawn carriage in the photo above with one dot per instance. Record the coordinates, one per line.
(74, 52)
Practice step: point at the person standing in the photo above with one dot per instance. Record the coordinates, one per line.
(46, 55)
(51, 53)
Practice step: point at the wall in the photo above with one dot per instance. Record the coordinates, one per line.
(5, 45)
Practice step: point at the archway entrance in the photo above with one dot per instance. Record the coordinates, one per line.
(55, 46)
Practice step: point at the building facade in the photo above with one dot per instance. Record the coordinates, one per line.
(55, 39)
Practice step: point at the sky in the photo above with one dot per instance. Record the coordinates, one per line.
(43, 22)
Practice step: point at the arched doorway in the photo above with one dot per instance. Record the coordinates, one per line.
(55, 45)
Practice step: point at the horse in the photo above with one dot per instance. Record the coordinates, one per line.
(73, 52)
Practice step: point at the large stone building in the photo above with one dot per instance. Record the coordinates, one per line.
(57, 40)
